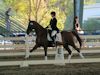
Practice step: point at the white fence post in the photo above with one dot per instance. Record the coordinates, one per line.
(27, 46)
(60, 55)
(24, 64)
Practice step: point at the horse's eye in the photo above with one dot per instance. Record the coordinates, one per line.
(31, 23)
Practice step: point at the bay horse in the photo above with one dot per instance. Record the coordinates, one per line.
(42, 40)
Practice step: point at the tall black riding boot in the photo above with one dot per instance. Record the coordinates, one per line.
(53, 39)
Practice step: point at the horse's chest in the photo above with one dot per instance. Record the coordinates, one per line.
(41, 40)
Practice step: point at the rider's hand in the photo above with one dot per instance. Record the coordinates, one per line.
(47, 27)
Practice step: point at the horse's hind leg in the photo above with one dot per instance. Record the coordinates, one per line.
(69, 51)
(78, 50)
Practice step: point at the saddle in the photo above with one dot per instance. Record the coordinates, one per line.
(57, 37)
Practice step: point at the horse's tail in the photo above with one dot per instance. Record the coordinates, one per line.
(78, 38)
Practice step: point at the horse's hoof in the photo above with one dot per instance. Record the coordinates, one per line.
(46, 58)
(69, 60)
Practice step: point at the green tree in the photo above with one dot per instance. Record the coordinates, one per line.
(92, 25)
(89, 2)
(39, 10)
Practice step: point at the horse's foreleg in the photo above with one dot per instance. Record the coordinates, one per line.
(34, 48)
(45, 50)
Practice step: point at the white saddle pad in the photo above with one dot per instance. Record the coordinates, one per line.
(58, 37)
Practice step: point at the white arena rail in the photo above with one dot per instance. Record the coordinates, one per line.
(26, 63)
(84, 37)
(36, 53)
(27, 45)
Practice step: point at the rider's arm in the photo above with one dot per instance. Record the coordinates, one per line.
(49, 24)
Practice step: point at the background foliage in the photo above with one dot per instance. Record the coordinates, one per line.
(38, 10)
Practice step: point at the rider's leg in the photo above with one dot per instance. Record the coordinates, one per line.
(53, 35)
(54, 32)
(53, 38)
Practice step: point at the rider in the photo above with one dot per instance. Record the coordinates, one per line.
(53, 24)
(77, 26)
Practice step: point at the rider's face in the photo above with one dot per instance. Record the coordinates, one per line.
(77, 19)
(52, 16)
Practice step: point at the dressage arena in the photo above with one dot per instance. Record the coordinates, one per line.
(13, 58)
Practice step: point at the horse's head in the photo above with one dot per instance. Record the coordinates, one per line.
(34, 25)
(31, 26)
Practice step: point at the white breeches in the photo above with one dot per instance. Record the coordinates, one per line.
(54, 32)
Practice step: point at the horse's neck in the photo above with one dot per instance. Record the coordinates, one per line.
(40, 30)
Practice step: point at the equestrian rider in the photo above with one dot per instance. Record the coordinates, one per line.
(53, 25)
(77, 24)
